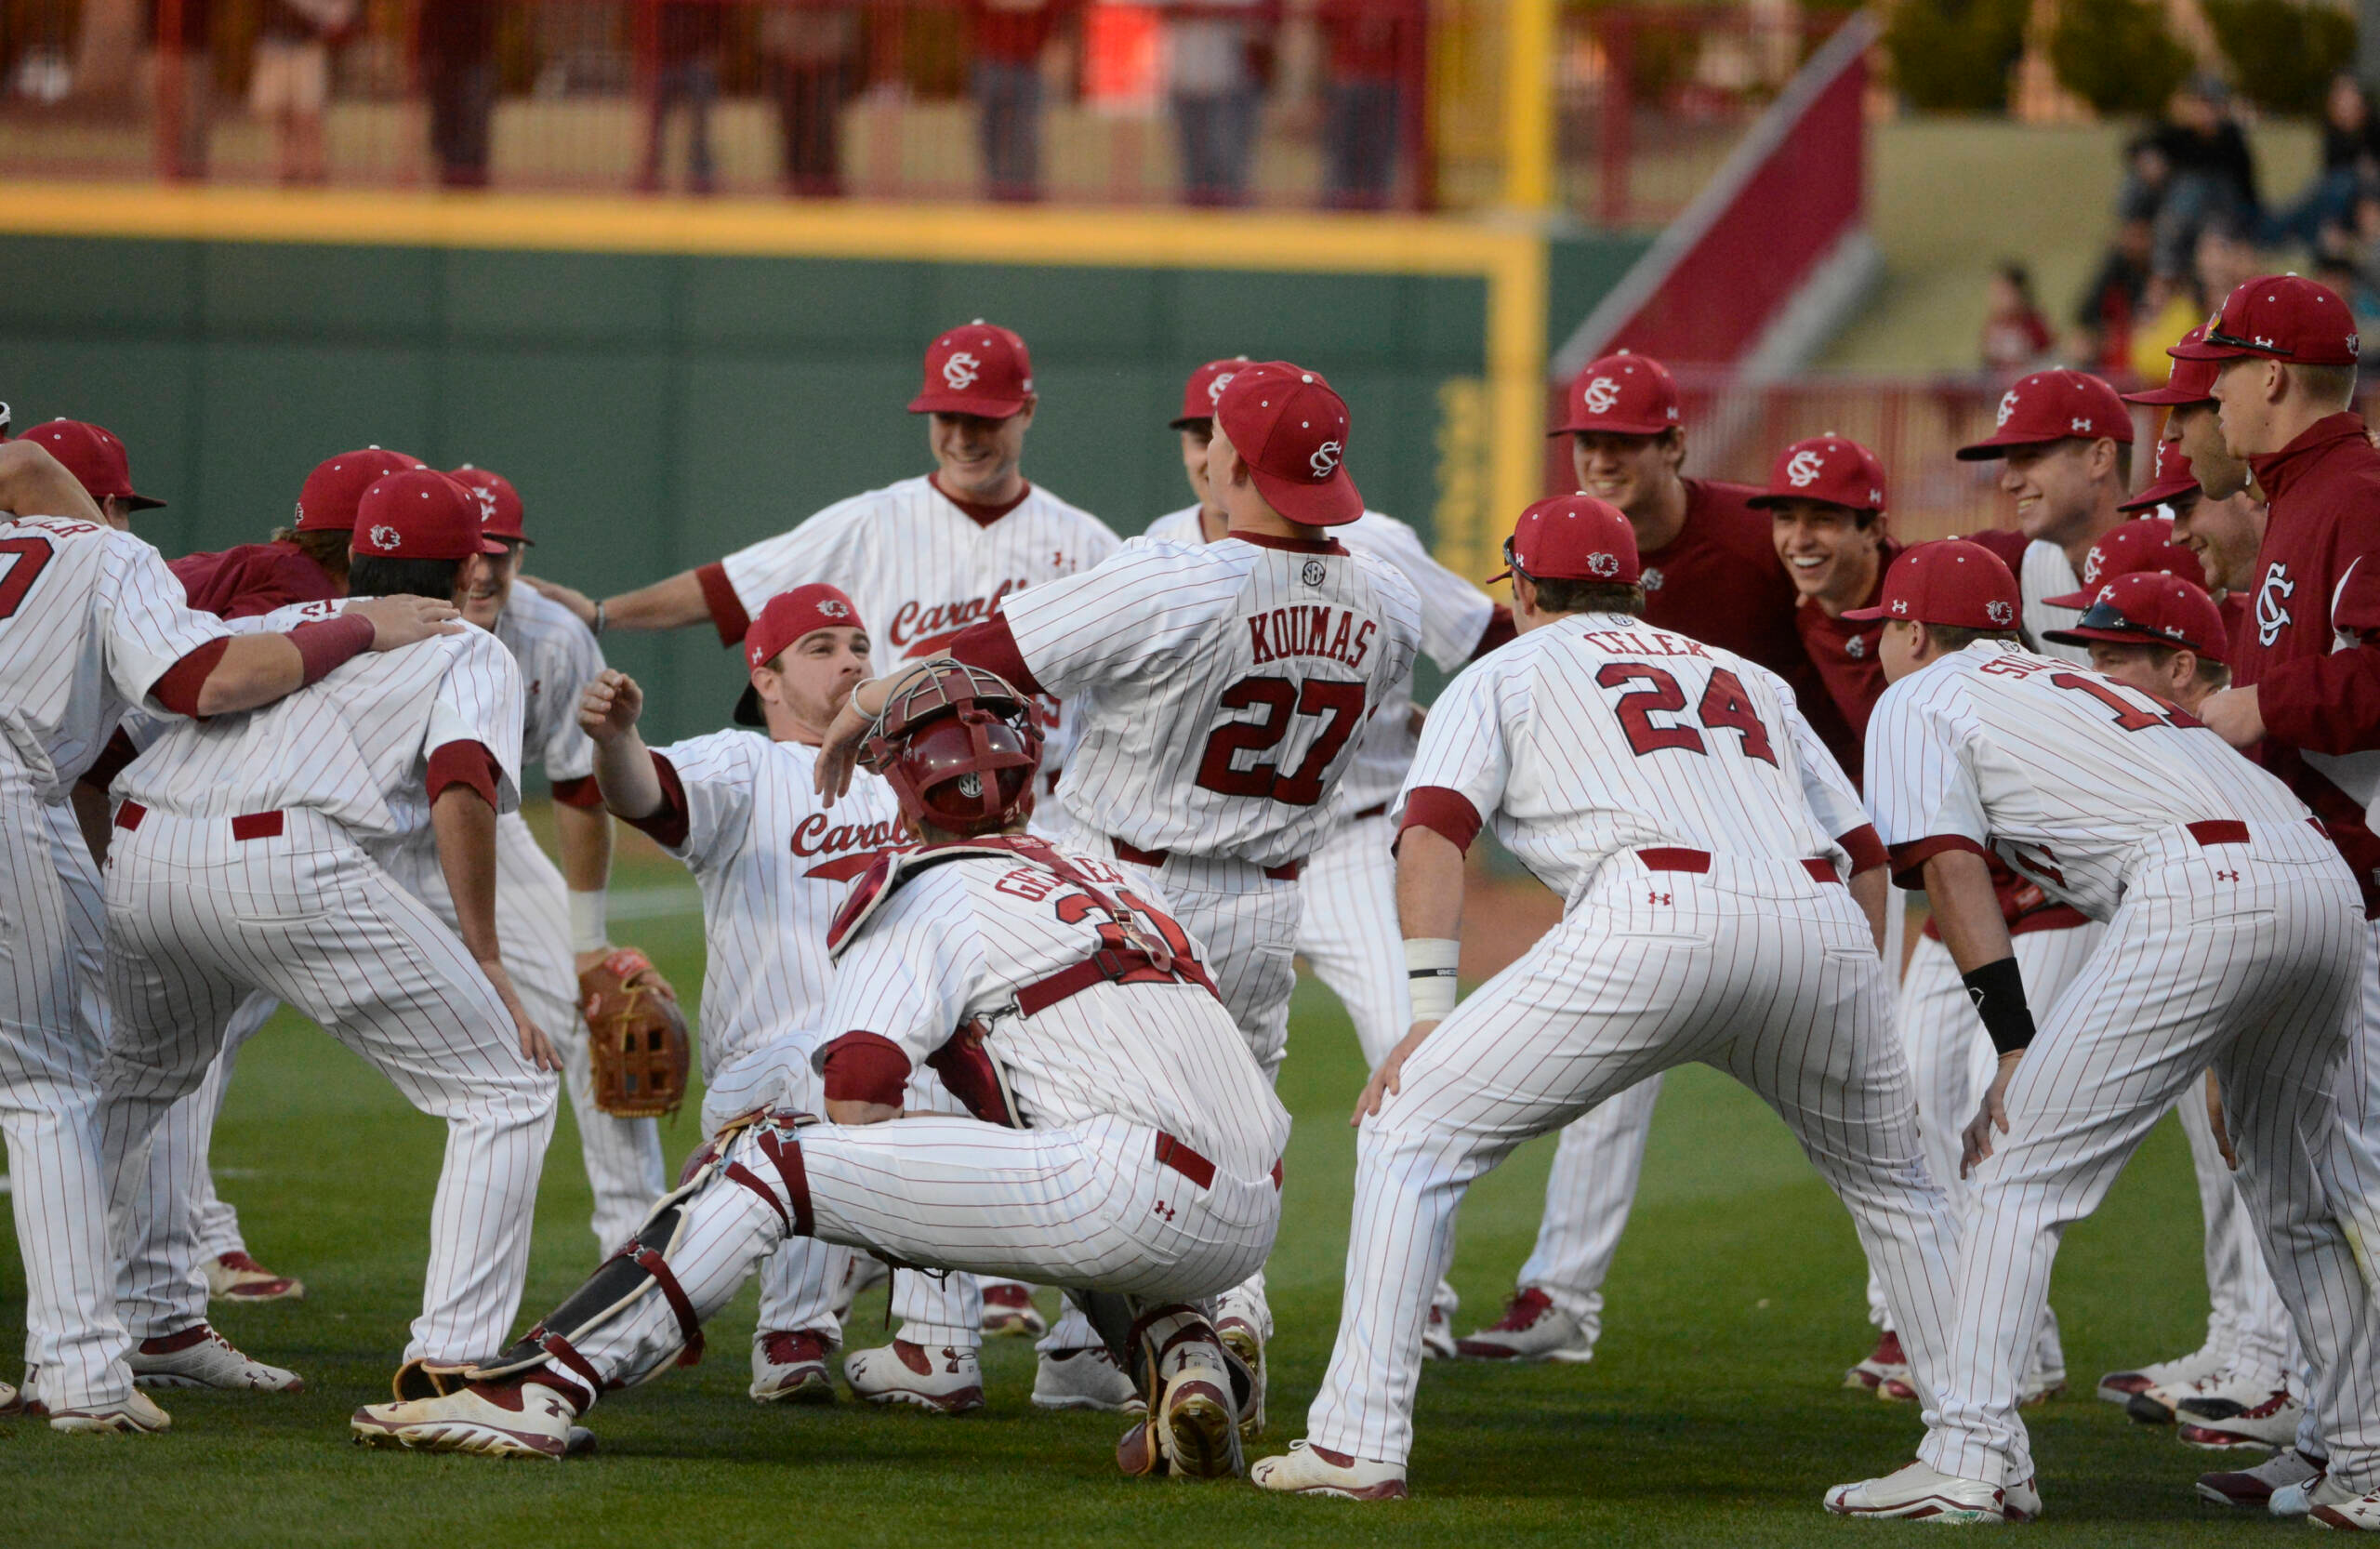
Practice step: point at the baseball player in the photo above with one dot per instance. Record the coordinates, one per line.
(1710, 571)
(924, 558)
(1121, 1137)
(1699, 835)
(2234, 940)
(91, 623)
(1347, 927)
(1826, 505)
(236, 839)
(1225, 686)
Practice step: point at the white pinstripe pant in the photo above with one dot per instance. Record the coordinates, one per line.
(197, 919)
(2246, 958)
(1348, 929)
(1755, 969)
(1088, 1206)
(49, 1051)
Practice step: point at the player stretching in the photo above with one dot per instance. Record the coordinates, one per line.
(2234, 939)
(1123, 1139)
(1699, 835)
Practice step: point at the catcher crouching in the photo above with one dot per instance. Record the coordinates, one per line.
(1124, 1145)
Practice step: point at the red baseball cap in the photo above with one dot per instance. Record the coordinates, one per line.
(1948, 581)
(1205, 386)
(2055, 405)
(499, 502)
(788, 617)
(1827, 468)
(93, 456)
(1572, 537)
(980, 369)
(2191, 380)
(418, 513)
(1291, 428)
(2279, 316)
(2143, 544)
(1633, 395)
(327, 501)
(2147, 608)
(2173, 481)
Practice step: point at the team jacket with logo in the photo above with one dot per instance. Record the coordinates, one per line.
(1598, 734)
(2060, 771)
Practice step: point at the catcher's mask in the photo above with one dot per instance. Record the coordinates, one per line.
(959, 748)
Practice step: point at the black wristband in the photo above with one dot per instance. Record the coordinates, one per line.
(1997, 991)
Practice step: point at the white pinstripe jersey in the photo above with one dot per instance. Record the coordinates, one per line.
(1454, 614)
(559, 659)
(1222, 686)
(957, 941)
(2048, 573)
(920, 570)
(1598, 733)
(90, 618)
(2058, 769)
(354, 746)
(774, 866)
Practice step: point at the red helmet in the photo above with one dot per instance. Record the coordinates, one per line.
(959, 748)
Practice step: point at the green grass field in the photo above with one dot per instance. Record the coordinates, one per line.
(1710, 1415)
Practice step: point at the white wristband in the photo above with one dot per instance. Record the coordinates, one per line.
(1430, 965)
(587, 921)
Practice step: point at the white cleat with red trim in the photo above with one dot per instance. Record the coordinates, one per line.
(1306, 1469)
(1922, 1494)
(516, 1419)
(198, 1356)
(947, 1380)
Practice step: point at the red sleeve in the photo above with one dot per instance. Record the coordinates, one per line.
(1443, 812)
(1908, 860)
(864, 1067)
(1500, 632)
(727, 613)
(2324, 703)
(992, 646)
(110, 761)
(581, 793)
(177, 687)
(667, 823)
(1867, 851)
(464, 763)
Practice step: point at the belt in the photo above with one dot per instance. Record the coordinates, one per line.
(2221, 830)
(248, 826)
(1379, 809)
(1285, 872)
(1177, 1155)
(1699, 862)
(1128, 966)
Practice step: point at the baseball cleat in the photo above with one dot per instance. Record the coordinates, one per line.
(1306, 1469)
(867, 1272)
(2044, 1385)
(791, 1367)
(234, 1276)
(517, 1420)
(2117, 1387)
(1532, 1329)
(2272, 1424)
(135, 1415)
(8, 1401)
(949, 1380)
(2253, 1489)
(1084, 1380)
(198, 1356)
(1240, 1337)
(1922, 1494)
(2359, 1515)
(579, 1444)
(1009, 1309)
(1886, 1363)
(1437, 1336)
(421, 1378)
(2303, 1500)
(1196, 1429)
(2224, 1397)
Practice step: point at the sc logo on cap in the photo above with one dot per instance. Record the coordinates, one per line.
(1215, 388)
(1999, 612)
(830, 607)
(2007, 408)
(386, 536)
(1804, 471)
(1603, 564)
(1325, 460)
(1602, 395)
(960, 371)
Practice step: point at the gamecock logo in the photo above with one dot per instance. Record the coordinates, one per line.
(2272, 613)
(960, 371)
(1650, 580)
(1325, 461)
(386, 536)
(1804, 471)
(1999, 612)
(834, 607)
(1603, 564)
(1602, 395)
(1856, 647)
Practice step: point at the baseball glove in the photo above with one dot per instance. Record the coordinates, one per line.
(636, 1036)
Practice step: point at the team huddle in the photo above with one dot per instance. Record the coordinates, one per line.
(1018, 830)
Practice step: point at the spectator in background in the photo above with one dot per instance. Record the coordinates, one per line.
(2016, 335)
(813, 50)
(2209, 173)
(2171, 307)
(289, 79)
(2103, 321)
(2344, 280)
(2323, 216)
(457, 43)
(1366, 43)
(185, 77)
(1214, 81)
(685, 67)
(1009, 36)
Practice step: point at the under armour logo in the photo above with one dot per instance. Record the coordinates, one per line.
(2007, 408)
(2262, 342)
(1325, 461)
(2082, 424)
(834, 608)
(1162, 1209)
(1900, 607)
(1999, 612)
(386, 536)
(2227, 875)
(1804, 469)
(960, 371)
(1603, 564)
(1601, 396)
(1651, 897)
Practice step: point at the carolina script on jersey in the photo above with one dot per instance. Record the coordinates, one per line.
(852, 845)
(921, 630)
(1313, 630)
